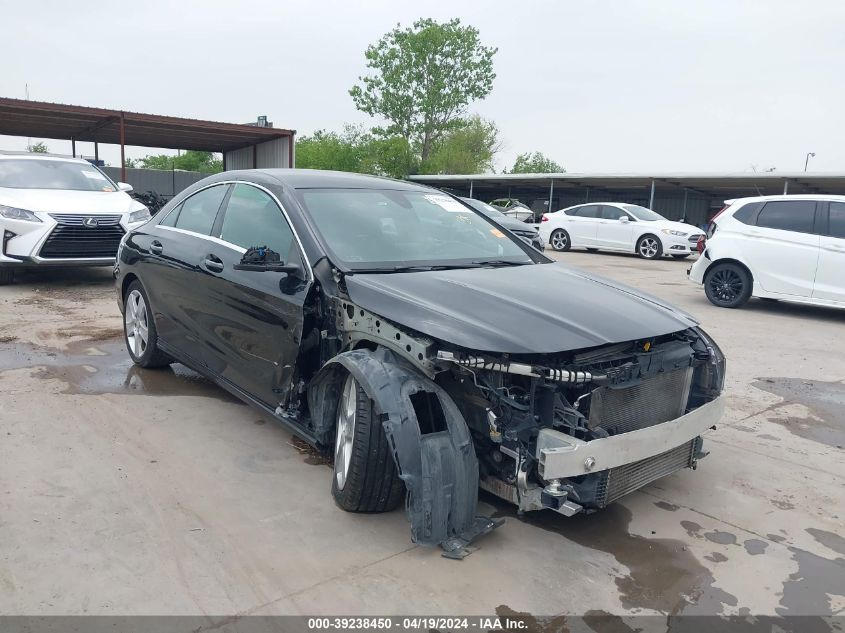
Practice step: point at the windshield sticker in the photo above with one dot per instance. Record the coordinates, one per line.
(108, 189)
(447, 203)
(497, 233)
(93, 175)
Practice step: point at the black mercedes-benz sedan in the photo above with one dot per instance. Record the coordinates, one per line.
(430, 352)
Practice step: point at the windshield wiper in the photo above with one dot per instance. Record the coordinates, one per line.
(410, 268)
(499, 262)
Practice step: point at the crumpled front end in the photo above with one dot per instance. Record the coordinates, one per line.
(575, 432)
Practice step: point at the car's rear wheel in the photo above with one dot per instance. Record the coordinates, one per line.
(649, 247)
(7, 276)
(560, 240)
(727, 285)
(681, 256)
(139, 329)
(365, 478)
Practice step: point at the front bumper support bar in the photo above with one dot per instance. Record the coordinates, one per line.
(561, 456)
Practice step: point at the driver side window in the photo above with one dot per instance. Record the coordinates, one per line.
(252, 218)
(612, 213)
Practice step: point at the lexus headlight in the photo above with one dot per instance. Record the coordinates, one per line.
(671, 232)
(13, 213)
(141, 215)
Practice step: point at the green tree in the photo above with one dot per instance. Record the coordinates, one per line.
(38, 148)
(422, 80)
(357, 150)
(190, 160)
(535, 163)
(469, 149)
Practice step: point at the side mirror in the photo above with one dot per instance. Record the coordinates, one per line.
(125, 186)
(624, 219)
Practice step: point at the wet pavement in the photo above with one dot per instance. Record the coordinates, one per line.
(124, 490)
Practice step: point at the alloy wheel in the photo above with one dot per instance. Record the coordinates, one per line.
(649, 247)
(135, 320)
(345, 434)
(559, 241)
(725, 285)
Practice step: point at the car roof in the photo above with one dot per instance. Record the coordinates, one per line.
(318, 178)
(797, 196)
(40, 156)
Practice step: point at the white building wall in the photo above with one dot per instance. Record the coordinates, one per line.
(268, 154)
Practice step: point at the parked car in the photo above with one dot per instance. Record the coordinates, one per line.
(60, 211)
(775, 247)
(622, 227)
(520, 229)
(391, 325)
(514, 209)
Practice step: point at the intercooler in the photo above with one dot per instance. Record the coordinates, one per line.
(655, 400)
(618, 482)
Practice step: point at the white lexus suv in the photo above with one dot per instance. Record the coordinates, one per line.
(60, 211)
(616, 226)
(775, 247)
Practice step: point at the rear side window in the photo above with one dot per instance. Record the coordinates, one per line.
(837, 219)
(253, 218)
(198, 212)
(590, 211)
(788, 215)
(746, 213)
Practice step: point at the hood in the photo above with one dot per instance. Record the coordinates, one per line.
(64, 201)
(514, 225)
(532, 309)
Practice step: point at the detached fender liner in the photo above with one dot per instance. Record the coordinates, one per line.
(440, 469)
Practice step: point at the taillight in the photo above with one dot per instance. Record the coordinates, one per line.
(699, 245)
(545, 218)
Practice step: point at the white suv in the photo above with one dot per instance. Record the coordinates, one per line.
(60, 211)
(776, 247)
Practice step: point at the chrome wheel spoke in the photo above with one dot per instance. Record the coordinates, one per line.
(345, 433)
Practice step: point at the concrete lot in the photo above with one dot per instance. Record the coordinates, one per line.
(125, 491)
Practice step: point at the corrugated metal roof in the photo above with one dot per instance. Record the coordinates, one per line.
(19, 117)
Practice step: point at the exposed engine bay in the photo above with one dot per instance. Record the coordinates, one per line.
(570, 432)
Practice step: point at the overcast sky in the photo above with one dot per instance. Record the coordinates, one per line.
(599, 86)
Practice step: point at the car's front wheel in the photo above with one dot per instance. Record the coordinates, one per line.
(727, 285)
(365, 478)
(560, 240)
(7, 276)
(139, 329)
(649, 247)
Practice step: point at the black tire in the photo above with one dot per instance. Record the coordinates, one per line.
(681, 256)
(560, 241)
(371, 483)
(7, 276)
(727, 285)
(649, 247)
(143, 353)
(592, 250)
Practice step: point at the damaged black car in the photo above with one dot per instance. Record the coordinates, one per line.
(430, 353)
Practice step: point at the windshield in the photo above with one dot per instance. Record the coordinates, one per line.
(486, 209)
(641, 213)
(27, 173)
(387, 230)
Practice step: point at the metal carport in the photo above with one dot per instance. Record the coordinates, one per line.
(19, 117)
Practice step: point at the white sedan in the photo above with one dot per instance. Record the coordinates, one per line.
(58, 211)
(616, 226)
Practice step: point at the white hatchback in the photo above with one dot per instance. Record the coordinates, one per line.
(775, 247)
(61, 211)
(617, 226)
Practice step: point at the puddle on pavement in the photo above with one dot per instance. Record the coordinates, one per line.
(101, 365)
(830, 540)
(806, 592)
(825, 399)
(755, 546)
(663, 574)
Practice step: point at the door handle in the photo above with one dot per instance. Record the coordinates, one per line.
(156, 248)
(213, 264)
